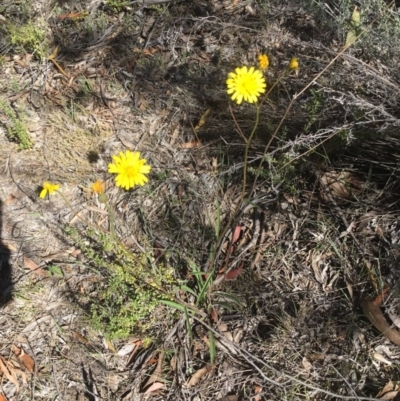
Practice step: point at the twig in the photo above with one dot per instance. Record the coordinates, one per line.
(250, 358)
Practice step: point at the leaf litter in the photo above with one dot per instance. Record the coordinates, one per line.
(283, 311)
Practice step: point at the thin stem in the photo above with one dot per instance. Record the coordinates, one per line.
(237, 125)
(111, 219)
(270, 141)
(239, 205)
(246, 153)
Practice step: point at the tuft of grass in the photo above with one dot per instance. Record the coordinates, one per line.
(15, 125)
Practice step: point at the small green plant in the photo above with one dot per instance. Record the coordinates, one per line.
(85, 87)
(124, 303)
(15, 125)
(313, 107)
(117, 5)
(29, 38)
(54, 270)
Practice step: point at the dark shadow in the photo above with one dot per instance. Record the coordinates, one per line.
(5, 267)
(88, 380)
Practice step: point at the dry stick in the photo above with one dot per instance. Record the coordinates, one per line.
(250, 358)
(346, 382)
(315, 146)
(297, 95)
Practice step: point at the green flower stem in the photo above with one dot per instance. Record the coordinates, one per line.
(246, 152)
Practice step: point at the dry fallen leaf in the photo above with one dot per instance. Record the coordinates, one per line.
(389, 391)
(257, 390)
(190, 145)
(230, 398)
(231, 275)
(214, 315)
(196, 377)
(10, 372)
(30, 264)
(234, 273)
(157, 374)
(155, 386)
(372, 311)
(380, 358)
(202, 120)
(128, 347)
(236, 234)
(134, 352)
(306, 364)
(11, 247)
(25, 359)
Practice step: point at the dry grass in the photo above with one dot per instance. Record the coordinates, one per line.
(317, 234)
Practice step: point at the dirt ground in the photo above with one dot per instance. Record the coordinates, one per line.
(293, 283)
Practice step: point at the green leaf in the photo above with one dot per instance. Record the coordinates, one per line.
(218, 221)
(355, 23)
(233, 298)
(204, 288)
(177, 306)
(188, 326)
(173, 304)
(212, 347)
(187, 289)
(55, 271)
(225, 305)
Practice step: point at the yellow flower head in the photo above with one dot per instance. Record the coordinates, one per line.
(48, 187)
(245, 84)
(294, 64)
(130, 169)
(98, 187)
(263, 61)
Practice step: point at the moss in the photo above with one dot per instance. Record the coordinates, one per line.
(29, 38)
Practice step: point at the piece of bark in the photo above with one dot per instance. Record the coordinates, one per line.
(374, 314)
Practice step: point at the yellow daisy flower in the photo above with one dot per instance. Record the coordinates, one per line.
(49, 188)
(263, 61)
(130, 169)
(294, 64)
(98, 187)
(245, 84)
